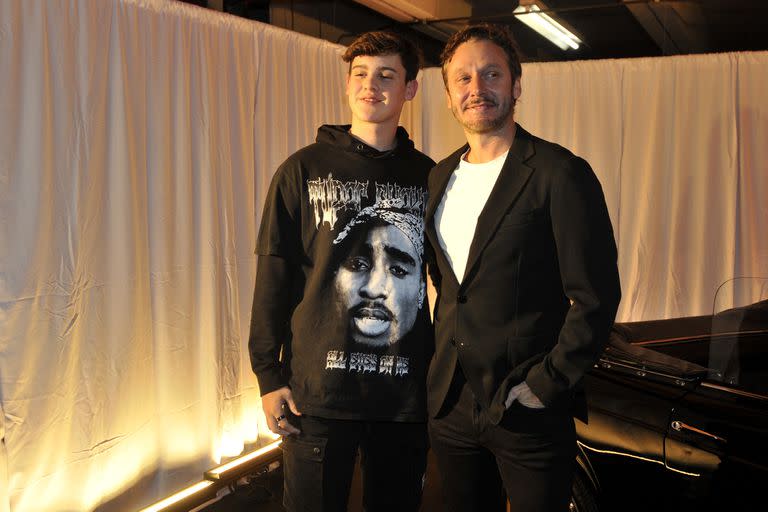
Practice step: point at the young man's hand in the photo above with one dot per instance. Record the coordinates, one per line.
(274, 404)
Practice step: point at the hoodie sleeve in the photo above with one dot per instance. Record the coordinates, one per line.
(270, 320)
(274, 296)
(280, 228)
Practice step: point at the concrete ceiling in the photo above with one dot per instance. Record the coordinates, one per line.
(608, 28)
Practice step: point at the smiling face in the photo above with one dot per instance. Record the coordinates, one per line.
(377, 89)
(480, 88)
(379, 285)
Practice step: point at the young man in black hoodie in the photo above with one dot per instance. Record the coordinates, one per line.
(340, 332)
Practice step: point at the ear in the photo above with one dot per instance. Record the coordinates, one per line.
(410, 89)
(346, 85)
(447, 98)
(517, 89)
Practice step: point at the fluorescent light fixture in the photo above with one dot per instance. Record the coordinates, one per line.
(242, 464)
(170, 502)
(545, 25)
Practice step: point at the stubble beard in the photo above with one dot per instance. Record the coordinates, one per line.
(486, 125)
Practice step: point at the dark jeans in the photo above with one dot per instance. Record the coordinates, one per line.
(531, 454)
(319, 464)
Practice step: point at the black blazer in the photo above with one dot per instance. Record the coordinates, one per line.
(543, 239)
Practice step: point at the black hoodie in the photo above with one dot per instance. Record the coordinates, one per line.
(341, 289)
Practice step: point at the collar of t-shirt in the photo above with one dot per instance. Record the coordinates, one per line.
(464, 198)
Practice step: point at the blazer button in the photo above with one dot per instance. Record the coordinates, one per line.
(462, 299)
(453, 342)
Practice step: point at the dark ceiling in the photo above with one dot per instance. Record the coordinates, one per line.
(608, 28)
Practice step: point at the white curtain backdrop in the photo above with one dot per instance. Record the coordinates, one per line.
(137, 140)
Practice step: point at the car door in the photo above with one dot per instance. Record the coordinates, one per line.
(624, 438)
(718, 433)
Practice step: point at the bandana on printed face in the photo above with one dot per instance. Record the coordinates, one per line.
(394, 212)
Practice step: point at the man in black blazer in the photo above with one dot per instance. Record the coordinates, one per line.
(528, 287)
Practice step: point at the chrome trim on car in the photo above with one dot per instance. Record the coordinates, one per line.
(680, 426)
(638, 457)
(641, 371)
(697, 337)
(735, 391)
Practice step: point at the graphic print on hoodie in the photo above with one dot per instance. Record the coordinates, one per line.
(378, 278)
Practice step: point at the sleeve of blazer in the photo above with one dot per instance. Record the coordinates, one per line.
(587, 256)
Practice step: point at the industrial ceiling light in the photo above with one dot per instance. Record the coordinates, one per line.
(529, 12)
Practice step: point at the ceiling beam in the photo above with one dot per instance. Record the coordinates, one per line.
(677, 27)
(423, 12)
(406, 11)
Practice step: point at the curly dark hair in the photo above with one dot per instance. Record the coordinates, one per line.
(387, 43)
(500, 35)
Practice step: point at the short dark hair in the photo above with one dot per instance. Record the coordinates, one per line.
(386, 43)
(500, 35)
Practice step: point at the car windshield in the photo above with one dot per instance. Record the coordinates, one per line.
(726, 348)
(739, 340)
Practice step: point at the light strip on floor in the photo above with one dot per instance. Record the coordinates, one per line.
(170, 501)
(235, 465)
(214, 478)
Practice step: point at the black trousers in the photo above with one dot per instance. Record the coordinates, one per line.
(530, 454)
(319, 463)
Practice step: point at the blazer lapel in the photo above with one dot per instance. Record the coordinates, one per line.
(513, 177)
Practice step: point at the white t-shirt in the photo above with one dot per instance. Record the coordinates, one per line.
(464, 198)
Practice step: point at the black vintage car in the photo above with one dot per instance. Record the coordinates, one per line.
(678, 415)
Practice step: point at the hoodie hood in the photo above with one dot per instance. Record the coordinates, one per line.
(339, 136)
